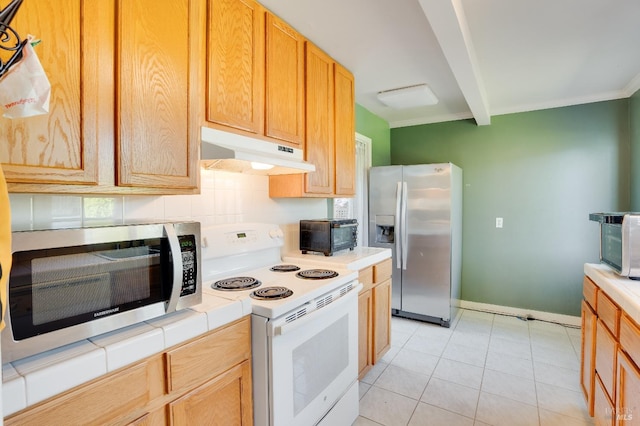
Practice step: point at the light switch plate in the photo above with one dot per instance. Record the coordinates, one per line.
(498, 222)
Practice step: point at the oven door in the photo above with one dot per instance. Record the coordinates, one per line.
(344, 236)
(313, 362)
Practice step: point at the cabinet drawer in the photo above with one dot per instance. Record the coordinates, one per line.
(606, 351)
(630, 338)
(105, 401)
(365, 276)
(589, 291)
(382, 271)
(197, 361)
(609, 313)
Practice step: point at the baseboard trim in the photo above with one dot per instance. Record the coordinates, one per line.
(568, 320)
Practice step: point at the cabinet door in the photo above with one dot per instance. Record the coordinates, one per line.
(628, 401)
(225, 400)
(284, 82)
(235, 64)
(345, 132)
(606, 351)
(365, 316)
(62, 146)
(603, 406)
(319, 148)
(381, 319)
(159, 49)
(588, 348)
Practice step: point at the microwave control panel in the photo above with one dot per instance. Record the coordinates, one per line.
(189, 264)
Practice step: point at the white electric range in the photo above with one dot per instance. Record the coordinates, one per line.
(304, 330)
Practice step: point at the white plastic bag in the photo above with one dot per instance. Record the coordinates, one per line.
(25, 90)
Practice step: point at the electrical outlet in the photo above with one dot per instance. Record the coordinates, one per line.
(498, 222)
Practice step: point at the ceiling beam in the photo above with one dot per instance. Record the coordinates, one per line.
(449, 24)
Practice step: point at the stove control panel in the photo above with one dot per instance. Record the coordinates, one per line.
(242, 237)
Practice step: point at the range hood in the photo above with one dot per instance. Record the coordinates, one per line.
(232, 152)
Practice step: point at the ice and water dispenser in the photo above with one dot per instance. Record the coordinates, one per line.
(385, 232)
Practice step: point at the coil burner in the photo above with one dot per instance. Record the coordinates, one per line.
(271, 293)
(284, 268)
(317, 274)
(236, 283)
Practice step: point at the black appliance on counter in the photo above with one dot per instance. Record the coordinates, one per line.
(328, 236)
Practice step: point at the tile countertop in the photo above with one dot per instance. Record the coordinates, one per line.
(356, 259)
(623, 291)
(38, 377)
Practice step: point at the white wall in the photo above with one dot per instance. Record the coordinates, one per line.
(225, 198)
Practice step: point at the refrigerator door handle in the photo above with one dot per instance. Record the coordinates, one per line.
(397, 229)
(405, 232)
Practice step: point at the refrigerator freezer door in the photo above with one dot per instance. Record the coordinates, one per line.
(383, 220)
(426, 282)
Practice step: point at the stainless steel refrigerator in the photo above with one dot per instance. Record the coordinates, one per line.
(417, 212)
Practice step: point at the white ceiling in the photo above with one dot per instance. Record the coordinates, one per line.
(480, 57)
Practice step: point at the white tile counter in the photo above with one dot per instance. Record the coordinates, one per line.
(623, 291)
(359, 258)
(36, 378)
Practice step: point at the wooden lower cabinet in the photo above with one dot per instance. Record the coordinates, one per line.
(155, 417)
(606, 350)
(374, 315)
(610, 372)
(365, 339)
(603, 406)
(588, 355)
(628, 385)
(141, 394)
(224, 400)
(381, 319)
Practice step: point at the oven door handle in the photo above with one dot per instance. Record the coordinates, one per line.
(294, 325)
(176, 256)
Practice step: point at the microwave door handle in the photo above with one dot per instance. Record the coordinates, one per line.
(176, 255)
(405, 231)
(397, 225)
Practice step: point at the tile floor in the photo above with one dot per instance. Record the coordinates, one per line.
(485, 370)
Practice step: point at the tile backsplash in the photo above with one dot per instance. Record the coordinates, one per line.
(225, 198)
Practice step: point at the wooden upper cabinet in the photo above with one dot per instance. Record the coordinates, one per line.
(345, 132)
(159, 49)
(235, 71)
(285, 92)
(62, 146)
(330, 132)
(320, 147)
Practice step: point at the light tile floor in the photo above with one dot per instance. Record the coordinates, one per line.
(485, 370)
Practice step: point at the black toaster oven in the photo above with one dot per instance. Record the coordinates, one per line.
(328, 236)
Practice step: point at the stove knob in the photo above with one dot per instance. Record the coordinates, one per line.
(276, 233)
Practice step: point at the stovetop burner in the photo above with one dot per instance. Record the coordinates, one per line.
(236, 283)
(285, 268)
(317, 274)
(271, 293)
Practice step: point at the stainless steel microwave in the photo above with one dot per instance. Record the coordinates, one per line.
(620, 242)
(328, 235)
(67, 285)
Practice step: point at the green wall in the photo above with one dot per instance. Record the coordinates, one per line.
(634, 121)
(374, 127)
(543, 172)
